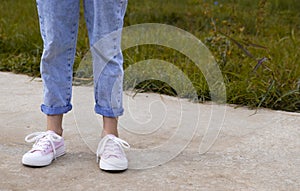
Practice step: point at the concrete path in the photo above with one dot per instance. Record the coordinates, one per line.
(252, 152)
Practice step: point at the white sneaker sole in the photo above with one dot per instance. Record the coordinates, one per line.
(112, 168)
(39, 163)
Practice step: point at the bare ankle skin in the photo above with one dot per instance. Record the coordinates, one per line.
(54, 123)
(110, 126)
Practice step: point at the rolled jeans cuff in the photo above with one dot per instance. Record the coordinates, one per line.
(109, 112)
(55, 110)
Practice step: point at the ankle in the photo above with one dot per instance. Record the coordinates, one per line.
(110, 126)
(56, 131)
(105, 132)
(54, 123)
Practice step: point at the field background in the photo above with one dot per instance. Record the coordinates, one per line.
(255, 43)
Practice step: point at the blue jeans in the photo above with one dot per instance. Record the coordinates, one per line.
(59, 26)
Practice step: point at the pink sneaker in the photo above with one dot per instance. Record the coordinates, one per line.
(48, 146)
(112, 155)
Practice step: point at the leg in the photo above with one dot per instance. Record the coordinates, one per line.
(105, 21)
(58, 24)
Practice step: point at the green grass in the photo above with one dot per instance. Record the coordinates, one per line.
(231, 29)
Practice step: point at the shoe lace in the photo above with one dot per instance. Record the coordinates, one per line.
(111, 144)
(43, 140)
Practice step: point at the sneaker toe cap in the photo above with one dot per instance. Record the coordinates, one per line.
(113, 164)
(36, 159)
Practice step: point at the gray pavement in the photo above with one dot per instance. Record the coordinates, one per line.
(252, 152)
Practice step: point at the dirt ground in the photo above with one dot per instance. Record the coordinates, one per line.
(252, 152)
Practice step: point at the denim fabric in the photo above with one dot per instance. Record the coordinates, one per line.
(59, 25)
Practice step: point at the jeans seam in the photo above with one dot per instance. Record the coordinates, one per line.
(70, 60)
